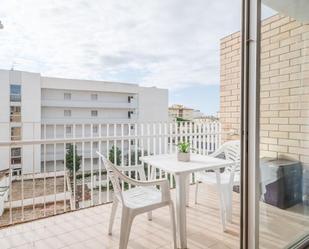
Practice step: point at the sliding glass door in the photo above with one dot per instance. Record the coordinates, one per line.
(276, 91)
(284, 123)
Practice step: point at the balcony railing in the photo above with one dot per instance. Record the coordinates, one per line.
(60, 174)
(15, 97)
(89, 104)
(15, 118)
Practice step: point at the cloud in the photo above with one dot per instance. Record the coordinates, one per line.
(166, 43)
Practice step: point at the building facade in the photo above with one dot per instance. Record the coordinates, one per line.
(182, 112)
(206, 119)
(34, 107)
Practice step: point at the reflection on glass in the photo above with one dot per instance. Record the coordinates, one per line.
(15, 93)
(15, 156)
(284, 124)
(15, 115)
(15, 133)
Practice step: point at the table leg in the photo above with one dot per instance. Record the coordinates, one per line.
(181, 209)
(187, 190)
(222, 201)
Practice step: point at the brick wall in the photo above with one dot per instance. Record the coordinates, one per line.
(284, 89)
(230, 85)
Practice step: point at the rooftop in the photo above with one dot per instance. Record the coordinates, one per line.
(178, 106)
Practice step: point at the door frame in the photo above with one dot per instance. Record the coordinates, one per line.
(250, 116)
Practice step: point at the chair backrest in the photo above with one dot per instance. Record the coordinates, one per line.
(231, 150)
(114, 175)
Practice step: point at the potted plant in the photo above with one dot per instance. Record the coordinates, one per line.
(183, 152)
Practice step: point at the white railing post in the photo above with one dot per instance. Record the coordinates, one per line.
(136, 149)
(107, 155)
(55, 167)
(44, 170)
(128, 153)
(100, 165)
(91, 164)
(64, 171)
(83, 166)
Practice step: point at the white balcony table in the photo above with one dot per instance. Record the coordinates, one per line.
(181, 171)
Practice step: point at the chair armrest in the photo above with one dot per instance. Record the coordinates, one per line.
(163, 183)
(164, 188)
(129, 180)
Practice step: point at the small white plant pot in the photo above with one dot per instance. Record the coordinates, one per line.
(183, 157)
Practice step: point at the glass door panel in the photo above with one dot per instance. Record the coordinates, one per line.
(284, 124)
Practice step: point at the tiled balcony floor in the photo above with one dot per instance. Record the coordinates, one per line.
(87, 229)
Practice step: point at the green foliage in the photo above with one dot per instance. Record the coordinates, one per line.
(171, 178)
(178, 119)
(70, 165)
(112, 155)
(139, 154)
(139, 162)
(184, 147)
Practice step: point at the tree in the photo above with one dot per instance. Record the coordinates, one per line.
(139, 162)
(70, 159)
(112, 155)
(179, 119)
(139, 154)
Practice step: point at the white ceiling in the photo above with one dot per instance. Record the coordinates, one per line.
(298, 9)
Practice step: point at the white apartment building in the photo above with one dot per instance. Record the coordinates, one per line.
(36, 107)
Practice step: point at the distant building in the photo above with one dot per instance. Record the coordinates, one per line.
(182, 112)
(206, 119)
(36, 107)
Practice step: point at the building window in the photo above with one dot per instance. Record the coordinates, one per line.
(68, 146)
(16, 172)
(15, 93)
(68, 130)
(95, 128)
(16, 156)
(15, 114)
(67, 113)
(94, 113)
(94, 96)
(67, 96)
(15, 133)
(130, 113)
(130, 98)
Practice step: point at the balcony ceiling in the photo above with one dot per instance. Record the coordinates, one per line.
(298, 9)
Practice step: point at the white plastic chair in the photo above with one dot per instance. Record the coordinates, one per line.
(143, 198)
(228, 178)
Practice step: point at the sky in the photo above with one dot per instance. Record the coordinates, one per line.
(171, 44)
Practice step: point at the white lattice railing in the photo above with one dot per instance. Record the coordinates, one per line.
(41, 185)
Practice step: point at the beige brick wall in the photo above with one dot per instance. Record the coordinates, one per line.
(284, 87)
(230, 85)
